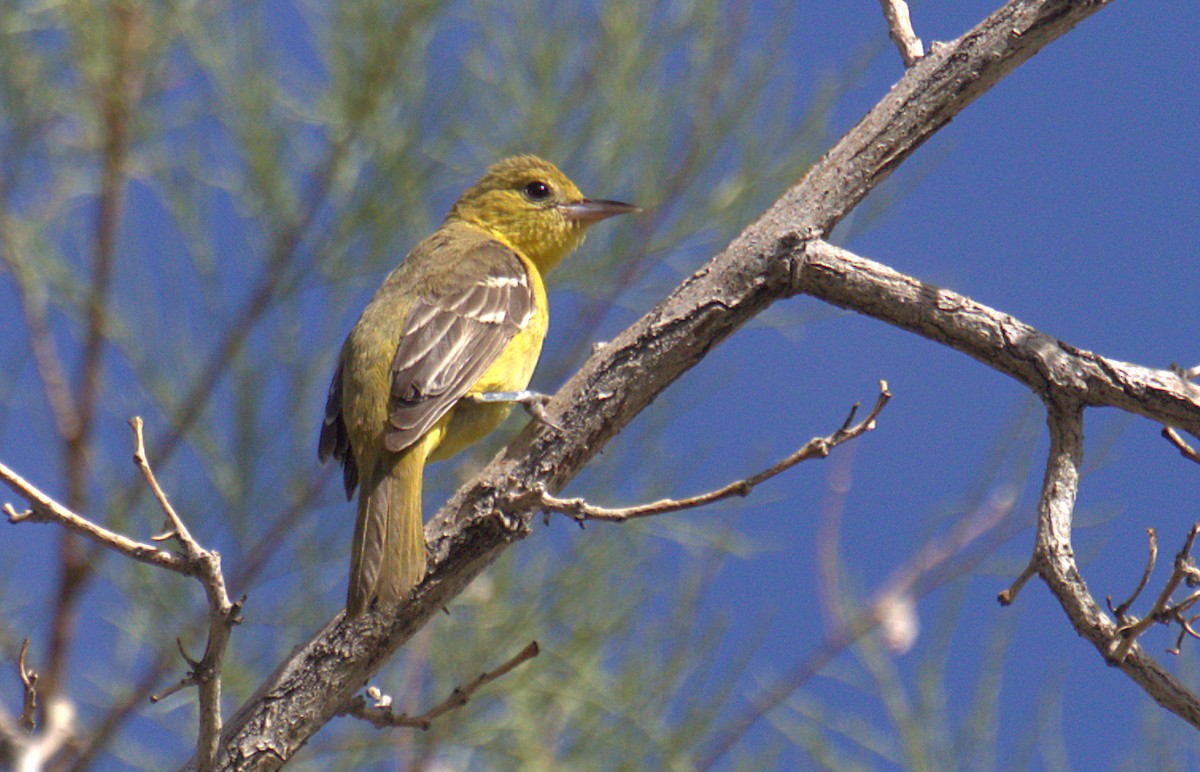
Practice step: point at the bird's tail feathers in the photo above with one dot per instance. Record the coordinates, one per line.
(388, 556)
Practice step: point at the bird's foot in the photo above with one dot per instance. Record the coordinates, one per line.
(534, 403)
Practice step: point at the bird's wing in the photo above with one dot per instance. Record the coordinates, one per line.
(334, 439)
(450, 337)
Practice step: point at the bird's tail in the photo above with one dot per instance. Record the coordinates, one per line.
(388, 556)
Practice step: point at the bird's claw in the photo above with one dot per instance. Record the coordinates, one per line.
(534, 403)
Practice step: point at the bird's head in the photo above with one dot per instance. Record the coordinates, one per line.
(533, 206)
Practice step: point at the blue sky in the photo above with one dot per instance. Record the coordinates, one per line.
(1066, 196)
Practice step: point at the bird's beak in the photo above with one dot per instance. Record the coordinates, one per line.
(589, 210)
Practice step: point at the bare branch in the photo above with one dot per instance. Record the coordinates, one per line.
(901, 31)
(1119, 611)
(380, 714)
(1162, 610)
(29, 690)
(177, 530)
(1040, 362)
(1056, 566)
(1185, 450)
(194, 561)
(817, 447)
(18, 744)
(1009, 594)
(223, 615)
(47, 510)
(1130, 632)
(253, 561)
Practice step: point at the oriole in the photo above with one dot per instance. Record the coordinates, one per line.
(464, 314)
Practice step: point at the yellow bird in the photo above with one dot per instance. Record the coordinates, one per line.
(434, 362)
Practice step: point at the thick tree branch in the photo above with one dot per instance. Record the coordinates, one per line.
(618, 382)
(1043, 364)
(1055, 559)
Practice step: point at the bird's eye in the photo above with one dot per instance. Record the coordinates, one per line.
(536, 191)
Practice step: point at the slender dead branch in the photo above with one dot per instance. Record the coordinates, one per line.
(191, 679)
(1185, 450)
(380, 712)
(223, 615)
(47, 510)
(29, 690)
(1162, 610)
(1120, 611)
(193, 560)
(253, 562)
(1056, 565)
(901, 31)
(817, 447)
(1009, 594)
(177, 530)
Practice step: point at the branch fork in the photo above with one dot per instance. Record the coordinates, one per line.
(190, 560)
(1163, 611)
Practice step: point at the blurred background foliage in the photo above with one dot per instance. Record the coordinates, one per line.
(196, 200)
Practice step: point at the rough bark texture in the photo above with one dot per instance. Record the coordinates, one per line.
(765, 263)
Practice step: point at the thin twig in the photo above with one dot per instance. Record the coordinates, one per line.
(177, 530)
(1128, 633)
(818, 447)
(47, 510)
(380, 714)
(901, 30)
(29, 688)
(1185, 450)
(1120, 611)
(1009, 594)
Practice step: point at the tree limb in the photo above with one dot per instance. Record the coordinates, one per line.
(1055, 559)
